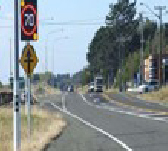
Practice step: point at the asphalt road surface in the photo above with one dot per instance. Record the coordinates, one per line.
(92, 127)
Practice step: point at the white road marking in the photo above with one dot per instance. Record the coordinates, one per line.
(94, 127)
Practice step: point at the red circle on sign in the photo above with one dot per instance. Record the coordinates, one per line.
(22, 13)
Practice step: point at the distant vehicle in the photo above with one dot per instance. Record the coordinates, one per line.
(152, 85)
(98, 83)
(71, 88)
(91, 87)
(23, 98)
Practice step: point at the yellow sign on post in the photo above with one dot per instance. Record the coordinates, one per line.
(29, 59)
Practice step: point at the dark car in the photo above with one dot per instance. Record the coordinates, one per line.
(24, 97)
(71, 88)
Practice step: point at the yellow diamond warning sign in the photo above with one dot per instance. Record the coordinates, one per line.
(28, 59)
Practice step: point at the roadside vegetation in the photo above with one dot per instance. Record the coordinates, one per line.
(160, 96)
(44, 127)
(112, 90)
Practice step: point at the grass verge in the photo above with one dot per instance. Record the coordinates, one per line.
(83, 89)
(112, 90)
(160, 96)
(44, 127)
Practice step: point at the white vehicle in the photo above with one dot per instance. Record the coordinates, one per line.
(71, 88)
(98, 84)
(91, 87)
(24, 97)
(152, 85)
(146, 87)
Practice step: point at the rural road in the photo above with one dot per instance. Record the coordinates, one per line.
(95, 125)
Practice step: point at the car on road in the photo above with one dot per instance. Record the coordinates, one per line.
(152, 86)
(149, 86)
(24, 97)
(71, 88)
(98, 83)
(91, 87)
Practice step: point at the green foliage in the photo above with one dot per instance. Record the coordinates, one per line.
(85, 76)
(1, 85)
(104, 51)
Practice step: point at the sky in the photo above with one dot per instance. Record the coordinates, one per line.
(67, 45)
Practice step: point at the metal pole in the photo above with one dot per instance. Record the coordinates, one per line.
(46, 55)
(160, 8)
(28, 107)
(141, 56)
(164, 82)
(45, 66)
(26, 92)
(10, 57)
(53, 66)
(16, 101)
(120, 64)
(160, 55)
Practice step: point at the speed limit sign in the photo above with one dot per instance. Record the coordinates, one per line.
(29, 22)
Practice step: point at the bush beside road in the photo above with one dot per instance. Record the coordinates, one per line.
(45, 126)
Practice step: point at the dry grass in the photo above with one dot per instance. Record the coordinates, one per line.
(112, 90)
(53, 91)
(160, 96)
(44, 126)
(83, 89)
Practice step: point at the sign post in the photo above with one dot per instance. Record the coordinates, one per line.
(16, 101)
(29, 61)
(28, 107)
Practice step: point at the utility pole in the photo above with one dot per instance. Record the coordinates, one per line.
(53, 67)
(46, 73)
(11, 73)
(120, 56)
(141, 56)
(160, 8)
(120, 64)
(16, 101)
(46, 57)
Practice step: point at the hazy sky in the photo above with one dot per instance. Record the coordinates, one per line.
(69, 54)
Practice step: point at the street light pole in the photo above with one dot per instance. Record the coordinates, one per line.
(11, 73)
(120, 56)
(141, 56)
(46, 55)
(54, 54)
(53, 65)
(160, 8)
(46, 51)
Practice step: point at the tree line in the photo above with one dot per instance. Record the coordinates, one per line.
(117, 44)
